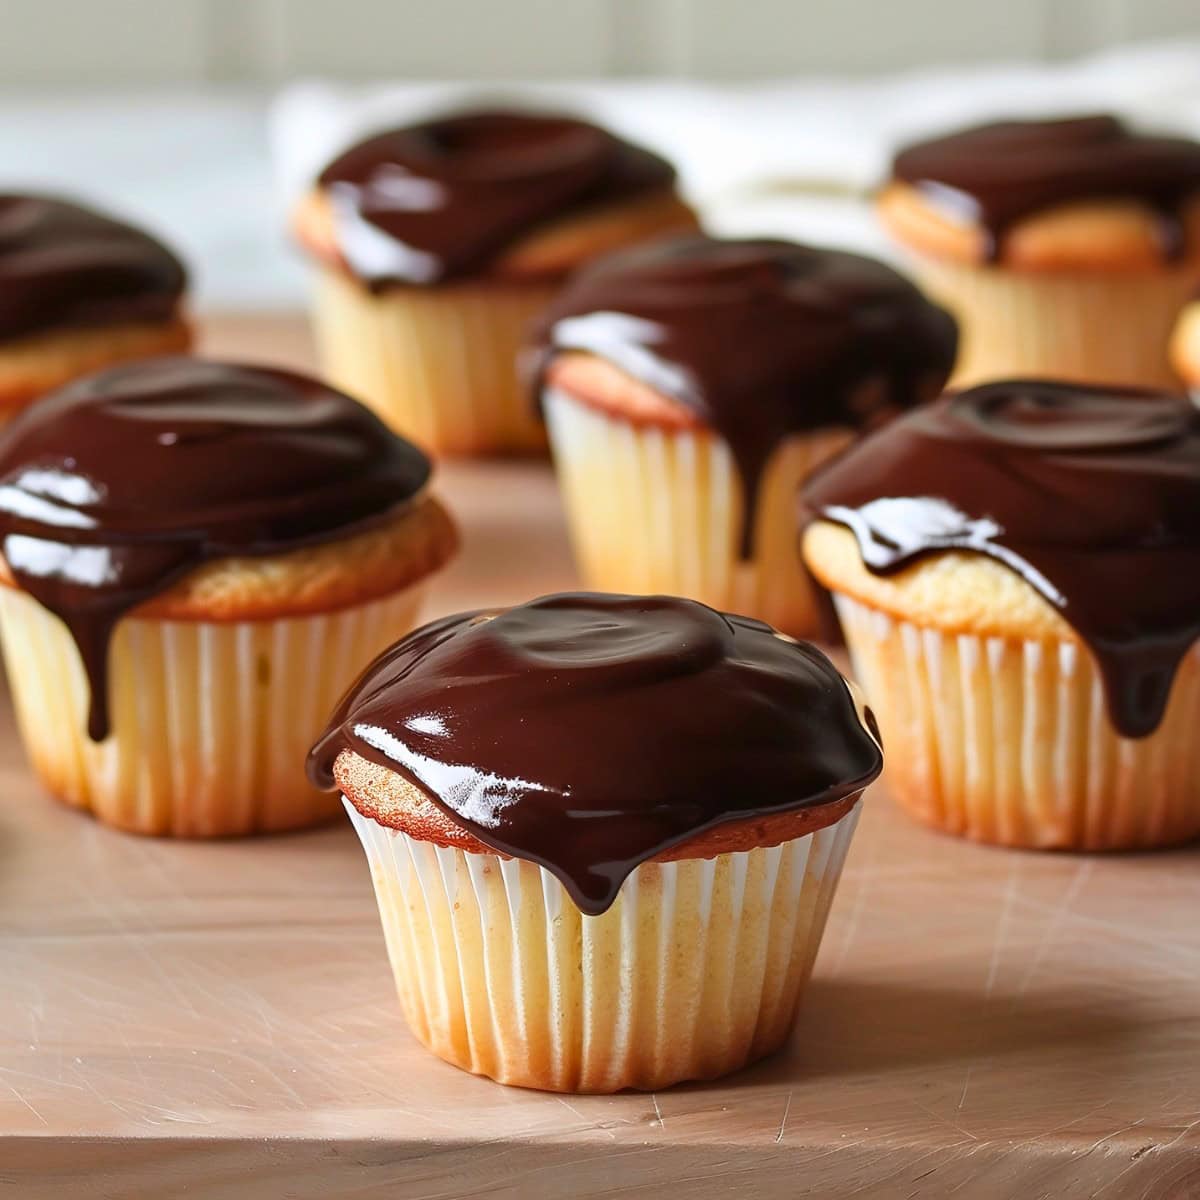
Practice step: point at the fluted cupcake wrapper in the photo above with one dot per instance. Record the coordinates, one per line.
(211, 722)
(655, 510)
(1101, 326)
(437, 364)
(695, 970)
(1009, 741)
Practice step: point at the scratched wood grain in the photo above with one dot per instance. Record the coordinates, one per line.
(217, 1020)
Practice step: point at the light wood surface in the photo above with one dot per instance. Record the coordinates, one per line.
(217, 1020)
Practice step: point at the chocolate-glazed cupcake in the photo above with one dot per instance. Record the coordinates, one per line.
(691, 385)
(197, 558)
(604, 831)
(437, 244)
(1017, 570)
(79, 291)
(1064, 247)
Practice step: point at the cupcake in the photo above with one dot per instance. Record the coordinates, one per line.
(1017, 571)
(690, 385)
(604, 832)
(195, 560)
(1185, 346)
(79, 291)
(1065, 248)
(438, 242)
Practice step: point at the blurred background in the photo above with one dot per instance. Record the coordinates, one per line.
(202, 118)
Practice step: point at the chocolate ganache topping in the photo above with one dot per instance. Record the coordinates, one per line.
(588, 733)
(119, 484)
(63, 266)
(996, 174)
(761, 339)
(440, 199)
(1092, 496)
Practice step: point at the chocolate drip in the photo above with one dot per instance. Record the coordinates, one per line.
(121, 483)
(1092, 497)
(588, 733)
(429, 202)
(63, 266)
(996, 174)
(762, 339)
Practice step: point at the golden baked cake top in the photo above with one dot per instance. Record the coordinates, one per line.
(1185, 344)
(589, 733)
(1090, 495)
(122, 483)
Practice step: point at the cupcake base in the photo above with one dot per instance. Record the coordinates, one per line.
(1099, 327)
(34, 365)
(695, 971)
(655, 510)
(1008, 741)
(437, 364)
(211, 722)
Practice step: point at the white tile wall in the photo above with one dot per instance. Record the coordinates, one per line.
(1158, 18)
(1081, 26)
(775, 37)
(55, 42)
(482, 39)
(105, 41)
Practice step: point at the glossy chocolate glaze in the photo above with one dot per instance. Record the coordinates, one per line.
(1092, 496)
(117, 485)
(762, 339)
(63, 266)
(996, 174)
(441, 199)
(589, 733)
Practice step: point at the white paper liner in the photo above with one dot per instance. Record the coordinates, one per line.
(1103, 327)
(659, 511)
(1009, 741)
(439, 365)
(211, 722)
(695, 970)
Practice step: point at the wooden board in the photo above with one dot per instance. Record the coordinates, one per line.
(217, 1020)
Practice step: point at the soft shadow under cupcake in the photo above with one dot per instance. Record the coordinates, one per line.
(857, 1030)
(853, 1027)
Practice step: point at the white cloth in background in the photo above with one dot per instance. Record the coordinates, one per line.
(193, 166)
(214, 171)
(791, 158)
